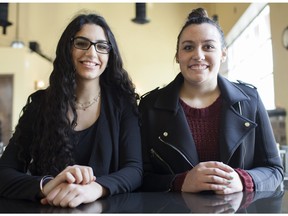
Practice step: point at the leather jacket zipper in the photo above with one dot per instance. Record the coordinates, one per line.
(154, 153)
(176, 149)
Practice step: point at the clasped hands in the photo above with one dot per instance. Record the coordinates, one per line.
(73, 186)
(212, 175)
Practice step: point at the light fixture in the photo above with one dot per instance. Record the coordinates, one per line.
(285, 37)
(140, 14)
(35, 47)
(4, 16)
(17, 43)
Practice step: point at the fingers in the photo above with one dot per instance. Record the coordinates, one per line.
(69, 177)
(72, 174)
(78, 175)
(44, 201)
(234, 186)
(218, 165)
(63, 189)
(63, 195)
(215, 179)
(211, 175)
(217, 171)
(72, 195)
(64, 198)
(228, 186)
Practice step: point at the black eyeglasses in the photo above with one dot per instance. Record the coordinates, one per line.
(85, 44)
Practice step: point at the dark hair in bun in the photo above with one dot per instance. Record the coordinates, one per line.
(197, 17)
(197, 13)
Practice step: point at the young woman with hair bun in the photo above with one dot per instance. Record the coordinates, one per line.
(202, 132)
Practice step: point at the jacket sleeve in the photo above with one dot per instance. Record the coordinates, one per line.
(126, 175)
(267, 173)
(14, 180)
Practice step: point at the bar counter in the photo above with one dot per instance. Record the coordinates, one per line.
(162, 202)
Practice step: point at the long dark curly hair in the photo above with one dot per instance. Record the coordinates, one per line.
(53, 140)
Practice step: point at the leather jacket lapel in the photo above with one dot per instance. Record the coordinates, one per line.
(177, 135)
(234, 126)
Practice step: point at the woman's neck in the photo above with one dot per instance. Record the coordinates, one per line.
(88, 103)
(87, 91)
(199, 96)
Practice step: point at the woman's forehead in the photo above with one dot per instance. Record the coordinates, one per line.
(204, 31)
(92, 32)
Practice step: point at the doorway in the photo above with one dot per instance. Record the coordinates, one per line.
(6, 103)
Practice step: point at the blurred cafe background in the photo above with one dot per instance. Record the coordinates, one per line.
(256, 34)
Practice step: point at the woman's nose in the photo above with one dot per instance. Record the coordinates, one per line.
(198, 55)
(91, 50)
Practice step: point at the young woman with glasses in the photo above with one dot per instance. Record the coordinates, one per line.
(79, 139)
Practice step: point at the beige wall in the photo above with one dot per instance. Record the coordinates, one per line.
(147, 50)
(26, 68)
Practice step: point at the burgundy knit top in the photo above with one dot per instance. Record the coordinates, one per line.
(204, 124)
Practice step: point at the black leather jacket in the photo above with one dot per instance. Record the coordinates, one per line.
(246, 137)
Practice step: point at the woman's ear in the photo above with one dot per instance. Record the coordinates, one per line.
(176, 57)
(224, 55)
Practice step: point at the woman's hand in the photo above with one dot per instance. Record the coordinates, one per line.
(212, 175)
(234, 186)
(72, 195)
(72, 174)
(78, 174)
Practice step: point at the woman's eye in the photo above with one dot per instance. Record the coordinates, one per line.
(103, 46)
(187, 47)
(209, 47)
(82, 44)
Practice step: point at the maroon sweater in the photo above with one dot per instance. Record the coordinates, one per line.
(205, 125)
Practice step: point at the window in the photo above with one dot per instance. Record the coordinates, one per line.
(250, 57)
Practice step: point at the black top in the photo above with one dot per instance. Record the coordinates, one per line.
(114, 150)
(83, 147)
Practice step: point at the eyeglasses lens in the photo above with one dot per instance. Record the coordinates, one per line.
(84, 44)
(81, 43)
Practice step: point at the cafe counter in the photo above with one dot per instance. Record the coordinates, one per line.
(165, 202)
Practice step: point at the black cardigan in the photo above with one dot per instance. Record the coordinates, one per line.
(115, 157)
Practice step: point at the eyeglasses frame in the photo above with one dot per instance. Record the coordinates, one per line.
(92, 43)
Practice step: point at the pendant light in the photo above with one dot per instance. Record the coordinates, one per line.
(4, 17)
(17, 43)
(140, 14)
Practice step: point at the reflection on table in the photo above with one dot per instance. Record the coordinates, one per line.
(139, 202)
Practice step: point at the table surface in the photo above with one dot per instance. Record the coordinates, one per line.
(161, 202)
